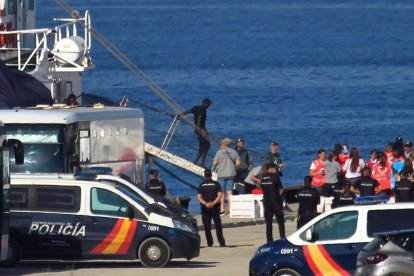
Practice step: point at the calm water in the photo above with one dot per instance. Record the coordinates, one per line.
(307, 74)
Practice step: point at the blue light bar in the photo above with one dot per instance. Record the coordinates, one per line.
(84, 176)
(99, 170)
(367, 200)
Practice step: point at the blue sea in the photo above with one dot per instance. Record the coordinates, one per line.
(307, 74)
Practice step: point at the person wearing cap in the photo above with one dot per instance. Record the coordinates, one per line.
(243, 169)
(366, 185)
(308, 199)
(345, 198)
(404, 188)
(209, 195)
(273, 156)
(408, 148)
(155, 186)
(225, 162)
(398, 145)
(272, 200)
(200, 117)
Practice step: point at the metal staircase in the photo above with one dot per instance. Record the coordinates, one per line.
(176, 160)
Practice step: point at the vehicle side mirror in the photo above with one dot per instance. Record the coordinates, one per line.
(18, 150)
(130, 213)
(309, 235)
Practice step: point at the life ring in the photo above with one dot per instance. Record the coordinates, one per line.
(2, 36)
(11, 39)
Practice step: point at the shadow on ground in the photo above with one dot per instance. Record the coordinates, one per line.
(27, 268)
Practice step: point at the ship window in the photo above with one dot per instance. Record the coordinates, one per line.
(19, 198)
(10, 6)
(30, 4)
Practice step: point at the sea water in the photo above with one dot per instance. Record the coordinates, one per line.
(307, 74)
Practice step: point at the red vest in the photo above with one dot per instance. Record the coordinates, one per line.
(382, 175)
(342, 159)
(318, 180)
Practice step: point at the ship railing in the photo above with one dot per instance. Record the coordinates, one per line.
(15, 42)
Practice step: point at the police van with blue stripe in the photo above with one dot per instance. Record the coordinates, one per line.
(329, 244)
(78, 219)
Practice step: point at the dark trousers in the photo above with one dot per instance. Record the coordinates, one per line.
(304, 217)
(207, 215)
(274, 208)
(203, 147)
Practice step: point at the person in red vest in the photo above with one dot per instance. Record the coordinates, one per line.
(317, 171)
(381, 172)
(374, 159)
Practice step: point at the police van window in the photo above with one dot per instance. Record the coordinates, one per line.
(396, 220)
(337, 226)
(57, 199)
(130, 193)
(19, 198)
(104, 202)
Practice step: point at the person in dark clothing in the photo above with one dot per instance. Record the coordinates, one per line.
(366, 186)
(200, 116)
(345, 198)
(274, 157)
(272, 200)
(155, 186)
(209, 195)
(308, 198)
(404, 189)
(243, 169)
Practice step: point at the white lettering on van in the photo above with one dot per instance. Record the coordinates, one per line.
(57, 229)
(153, 228)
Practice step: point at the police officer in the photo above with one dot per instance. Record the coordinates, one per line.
(209, 195)
(308, 198)
(272, 200)
(404, 189)
(366, 186)
(345, 198)
(155, 186)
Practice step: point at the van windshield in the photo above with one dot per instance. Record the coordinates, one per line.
(133, 195)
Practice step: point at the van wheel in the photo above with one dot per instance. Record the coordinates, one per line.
(154, 252)
(14, 254)
(285, 272)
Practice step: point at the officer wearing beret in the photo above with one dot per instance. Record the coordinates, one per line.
(209, 195)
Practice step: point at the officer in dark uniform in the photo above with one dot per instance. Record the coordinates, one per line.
(308, 198)
(366, 186)
(209, 195)
(345, 198)
(272, 200)
(155, 186)
(404, 189)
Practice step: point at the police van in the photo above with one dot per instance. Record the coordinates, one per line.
(77, 219)
(329, 244)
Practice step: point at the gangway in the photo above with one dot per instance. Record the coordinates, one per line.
(176, 160)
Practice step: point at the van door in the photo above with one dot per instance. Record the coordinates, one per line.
(109, 230)
(334, 250)
(57, 226)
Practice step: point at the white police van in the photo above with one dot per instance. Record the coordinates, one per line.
(329, 244)
(63, 218)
